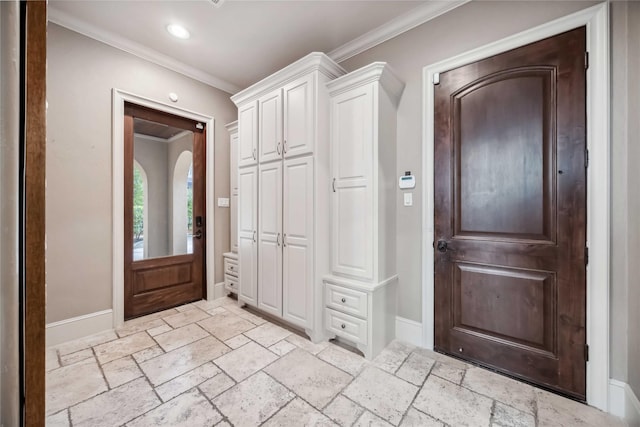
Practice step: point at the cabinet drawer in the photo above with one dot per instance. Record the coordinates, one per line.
(346, 300)
(346, 326)
(231, 267)
(231, 283)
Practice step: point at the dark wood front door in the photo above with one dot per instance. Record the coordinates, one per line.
(164, 210)
(510, 213)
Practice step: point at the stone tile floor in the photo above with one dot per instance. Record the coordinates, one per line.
(215, 364)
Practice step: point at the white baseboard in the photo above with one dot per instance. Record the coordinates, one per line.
(409, 331)
(624, 403)
(219, 291)
(78, 327)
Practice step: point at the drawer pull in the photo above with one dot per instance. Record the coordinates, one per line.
(343, 300)
(343, 326)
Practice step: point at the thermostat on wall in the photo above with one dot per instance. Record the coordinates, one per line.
(407, 181)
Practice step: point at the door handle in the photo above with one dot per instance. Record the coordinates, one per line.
(278, 149)
(443, 246)
(198, 234)
(278, 240)
(284, 240)
(284, 146)
(254, 154)
(333, 185)
(254, 236)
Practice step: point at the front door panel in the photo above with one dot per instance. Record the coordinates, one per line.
(510, 203)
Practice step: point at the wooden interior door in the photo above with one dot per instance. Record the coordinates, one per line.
(168, 268)
(510, 213)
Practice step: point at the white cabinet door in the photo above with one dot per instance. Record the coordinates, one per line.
(233, 161)
(298, 207)
(299, 113)
(248, 134)
(270, 126)
(234, 221)
(270, 238)
(352, 201)
(247, 235)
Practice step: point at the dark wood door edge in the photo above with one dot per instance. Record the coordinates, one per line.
(34, 213)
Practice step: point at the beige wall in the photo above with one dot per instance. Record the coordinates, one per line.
(467, 27)
(81, 74)
(633, 244)
(9, 119)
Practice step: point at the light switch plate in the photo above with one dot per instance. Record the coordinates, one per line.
(223, 202)
(408, 199)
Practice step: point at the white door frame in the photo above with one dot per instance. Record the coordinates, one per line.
(596, 19)
(119, 98)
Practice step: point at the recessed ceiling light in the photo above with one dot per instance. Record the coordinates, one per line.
(178, 31)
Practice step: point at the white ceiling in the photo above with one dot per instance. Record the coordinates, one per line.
(241, 42)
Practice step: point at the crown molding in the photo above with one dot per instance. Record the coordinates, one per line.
(114, 40)
(315, 61)
(375, 72)
(401, 24)
(232, 127)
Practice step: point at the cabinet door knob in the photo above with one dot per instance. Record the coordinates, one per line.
(278, 149)
(284, 146)
(343, 326)
(343, 300)
(333, 185)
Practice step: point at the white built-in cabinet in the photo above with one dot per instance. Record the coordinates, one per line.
(360, 292)
(283, 164)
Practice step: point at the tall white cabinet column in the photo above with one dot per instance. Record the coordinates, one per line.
(284, 164)
(360, 292)
(231, 257)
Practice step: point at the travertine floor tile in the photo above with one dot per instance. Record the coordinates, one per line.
(343, 359)
(392, 356)
(343, 411)
(116, 406)
(453, 404)
(69, 385)
(178, 385)
(216, 385)
(132, 327)
(237, 341)
(191, 409)
(315, 381)
(268, 334)
(367, 419)
(121, 371)
(415, 368)
(381, 393)
(61, 419)
(51, 361)
(177, 362)
(252, 401)
(180, 337)
(226, 325)
(159, 330)
(282, 347)
(506, 416)
(557, 411)
(448, 372)
(513, 393)
(76, 357)
(415, 418)
(86, 342)
(245, 361)
(123, 347)
(306, 344)
(186, 317)
(148, 353)
(299, 413)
